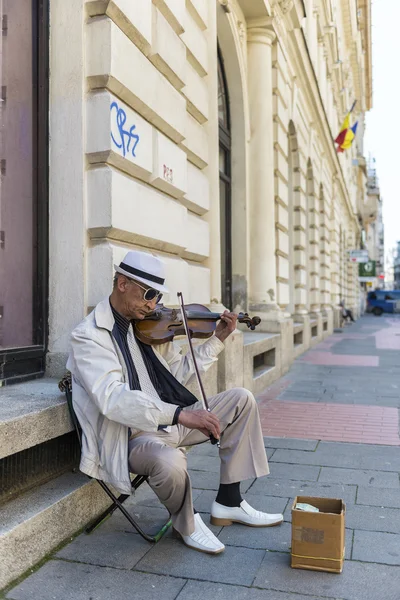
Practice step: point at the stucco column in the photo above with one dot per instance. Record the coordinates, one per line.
(67, 234)
(262, 204)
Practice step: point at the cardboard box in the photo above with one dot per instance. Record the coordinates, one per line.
(318, 538)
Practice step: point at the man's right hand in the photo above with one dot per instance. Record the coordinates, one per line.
(202, 420)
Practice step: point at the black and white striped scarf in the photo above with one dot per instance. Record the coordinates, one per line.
(167, 386)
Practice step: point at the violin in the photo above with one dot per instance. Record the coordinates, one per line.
(164, 323)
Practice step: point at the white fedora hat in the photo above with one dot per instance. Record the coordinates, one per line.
(144, 268)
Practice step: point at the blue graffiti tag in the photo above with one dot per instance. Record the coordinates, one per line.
(120, 120)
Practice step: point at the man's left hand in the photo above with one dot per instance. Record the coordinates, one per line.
(226, 325)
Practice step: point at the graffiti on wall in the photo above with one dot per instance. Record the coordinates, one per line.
(123, 135)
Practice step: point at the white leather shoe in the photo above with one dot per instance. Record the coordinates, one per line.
(202, 539)
(245, 514)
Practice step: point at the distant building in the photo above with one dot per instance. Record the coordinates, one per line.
(396, 268)
(373, 236)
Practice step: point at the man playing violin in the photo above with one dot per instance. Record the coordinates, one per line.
(136, 415)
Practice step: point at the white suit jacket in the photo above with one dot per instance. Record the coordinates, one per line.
(105, 405)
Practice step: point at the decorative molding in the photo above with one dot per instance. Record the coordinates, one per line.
(226, 5)
(261, 34)
(242, 32)
(286, 5)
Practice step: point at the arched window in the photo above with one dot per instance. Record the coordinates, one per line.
(225, 197)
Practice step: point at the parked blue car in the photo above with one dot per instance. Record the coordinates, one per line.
(381, 301)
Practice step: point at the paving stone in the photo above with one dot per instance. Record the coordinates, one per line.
(149, 518)
(203, 480)
(199, 590)
(390, 498)
(373, 518)
(269, 486)
(311, 394)
(265, 503)
(270, 452)
(393, 402)
(290, 444)
(352, 456)
(209, 450)
(323, 398)
(358, 581)
(358, 477)
(376, 547)
(200, 463)
(210, 463)
(282, 471)
(106, 548)
(388, 457)
(302, 386)
(206, 449)
(276, 538)
(75, 581)
(171, 557)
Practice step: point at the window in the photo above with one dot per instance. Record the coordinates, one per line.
(23, 188)
(225, 197)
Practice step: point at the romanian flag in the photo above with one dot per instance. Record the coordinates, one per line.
(346, 133)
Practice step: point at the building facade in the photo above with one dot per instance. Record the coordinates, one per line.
(199, 130)
(373, 231)
(396, 268)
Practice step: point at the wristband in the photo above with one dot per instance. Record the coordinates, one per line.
(176, 415)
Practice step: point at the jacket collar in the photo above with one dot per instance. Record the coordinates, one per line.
(103, 315)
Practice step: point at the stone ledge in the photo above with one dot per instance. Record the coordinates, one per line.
(254, 344)
(34, 524)
(298, 327)
(265, 340)
(30, 414)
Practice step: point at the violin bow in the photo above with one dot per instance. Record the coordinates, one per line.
(213, 440)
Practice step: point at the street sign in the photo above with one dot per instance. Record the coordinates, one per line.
(367, 269)
(358, 256)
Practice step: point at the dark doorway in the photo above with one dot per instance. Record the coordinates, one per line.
(225, 195)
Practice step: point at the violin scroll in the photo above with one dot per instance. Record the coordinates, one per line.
(251, 322)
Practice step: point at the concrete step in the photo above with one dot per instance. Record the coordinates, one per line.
(36, 522)
(261, 360)
(31, 413)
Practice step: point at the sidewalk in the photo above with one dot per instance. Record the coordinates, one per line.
(335, 427)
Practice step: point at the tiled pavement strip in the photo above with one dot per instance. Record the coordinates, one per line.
(318, 400)
(346, 389)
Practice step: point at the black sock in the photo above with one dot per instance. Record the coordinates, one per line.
(229, 494)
